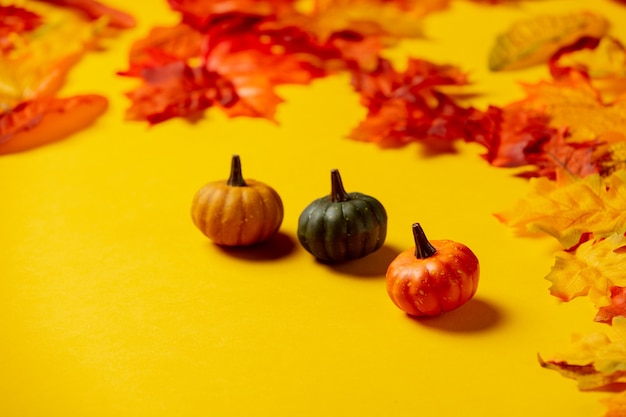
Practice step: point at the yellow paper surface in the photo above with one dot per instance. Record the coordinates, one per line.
(112, 303)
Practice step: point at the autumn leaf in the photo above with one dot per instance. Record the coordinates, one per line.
(408, 106)
(591, 270)
(391, 20)
(38, 64)
(95, 10)
(568, 211)
(595, 360)
(562, 124)
(533, 41)
(601, 60)
(39, 122)
(615, 308)
(15, 20)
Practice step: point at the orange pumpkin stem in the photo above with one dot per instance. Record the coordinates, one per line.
(423, 248)
(236, 178)
(337, 192)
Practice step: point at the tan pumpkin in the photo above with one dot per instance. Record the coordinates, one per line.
(237, 212)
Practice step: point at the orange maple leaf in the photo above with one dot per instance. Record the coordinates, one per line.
(570, 209)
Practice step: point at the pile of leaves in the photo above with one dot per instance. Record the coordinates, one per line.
(568, 132)
(40, 41)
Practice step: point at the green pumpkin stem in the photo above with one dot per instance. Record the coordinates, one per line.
(236, 178)
(423, 248)
(337, 192)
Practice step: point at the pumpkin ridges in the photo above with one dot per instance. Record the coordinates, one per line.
(214, 211)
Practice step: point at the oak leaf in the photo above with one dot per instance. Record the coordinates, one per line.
(573, 208)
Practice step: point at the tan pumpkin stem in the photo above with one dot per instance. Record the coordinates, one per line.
(236, 178)
(423, 248)
(337, 192)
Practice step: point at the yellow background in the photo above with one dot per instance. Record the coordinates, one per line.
(113, 304)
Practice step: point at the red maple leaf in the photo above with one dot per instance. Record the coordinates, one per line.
(407, 106)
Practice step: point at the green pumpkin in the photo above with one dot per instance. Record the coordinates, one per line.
(342, 226)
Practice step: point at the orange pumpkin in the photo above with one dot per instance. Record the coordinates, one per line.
(237, 212)
(432, 277)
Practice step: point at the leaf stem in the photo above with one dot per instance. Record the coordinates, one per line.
(337, 192)
(236, 178)
(423, 248)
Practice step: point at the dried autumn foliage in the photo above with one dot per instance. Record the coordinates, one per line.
(407, 106)
(574, 122)
(597, 362)
(38, 47)
(534, 40)
(233, 54)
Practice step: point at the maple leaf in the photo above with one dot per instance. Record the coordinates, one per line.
(178, 90)
(595, 360)
(573, 103)
(561, 124)
(378, 18)
(207, 15)
(601, 60)
(406, 106)
(572, 208)
(616, 306)
(591, 270)
(553, 153)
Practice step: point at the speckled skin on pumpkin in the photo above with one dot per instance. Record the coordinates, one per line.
(433, 281)
(342, 226)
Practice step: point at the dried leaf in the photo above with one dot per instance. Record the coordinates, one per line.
(532, 41)
(38, 63)
(591, 270)
(602, 61)
(570, 211)
(14, 21)
(39, 122)
(407, 106)
(594, 360)
(561, 125)
(616, 306)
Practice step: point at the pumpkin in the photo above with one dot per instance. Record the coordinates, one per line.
(237, 212)
(342, 226)
(433, 277)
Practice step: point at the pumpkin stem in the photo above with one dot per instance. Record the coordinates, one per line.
(337, 192)
(236, 178)
(423, 248)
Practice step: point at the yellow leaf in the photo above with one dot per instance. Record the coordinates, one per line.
(573, 103)
(533, 41)
(591, 270)
(595, 360)
(569, 210)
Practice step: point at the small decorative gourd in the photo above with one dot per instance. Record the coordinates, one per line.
(237, 212)
(432, 277)
(342, 226)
